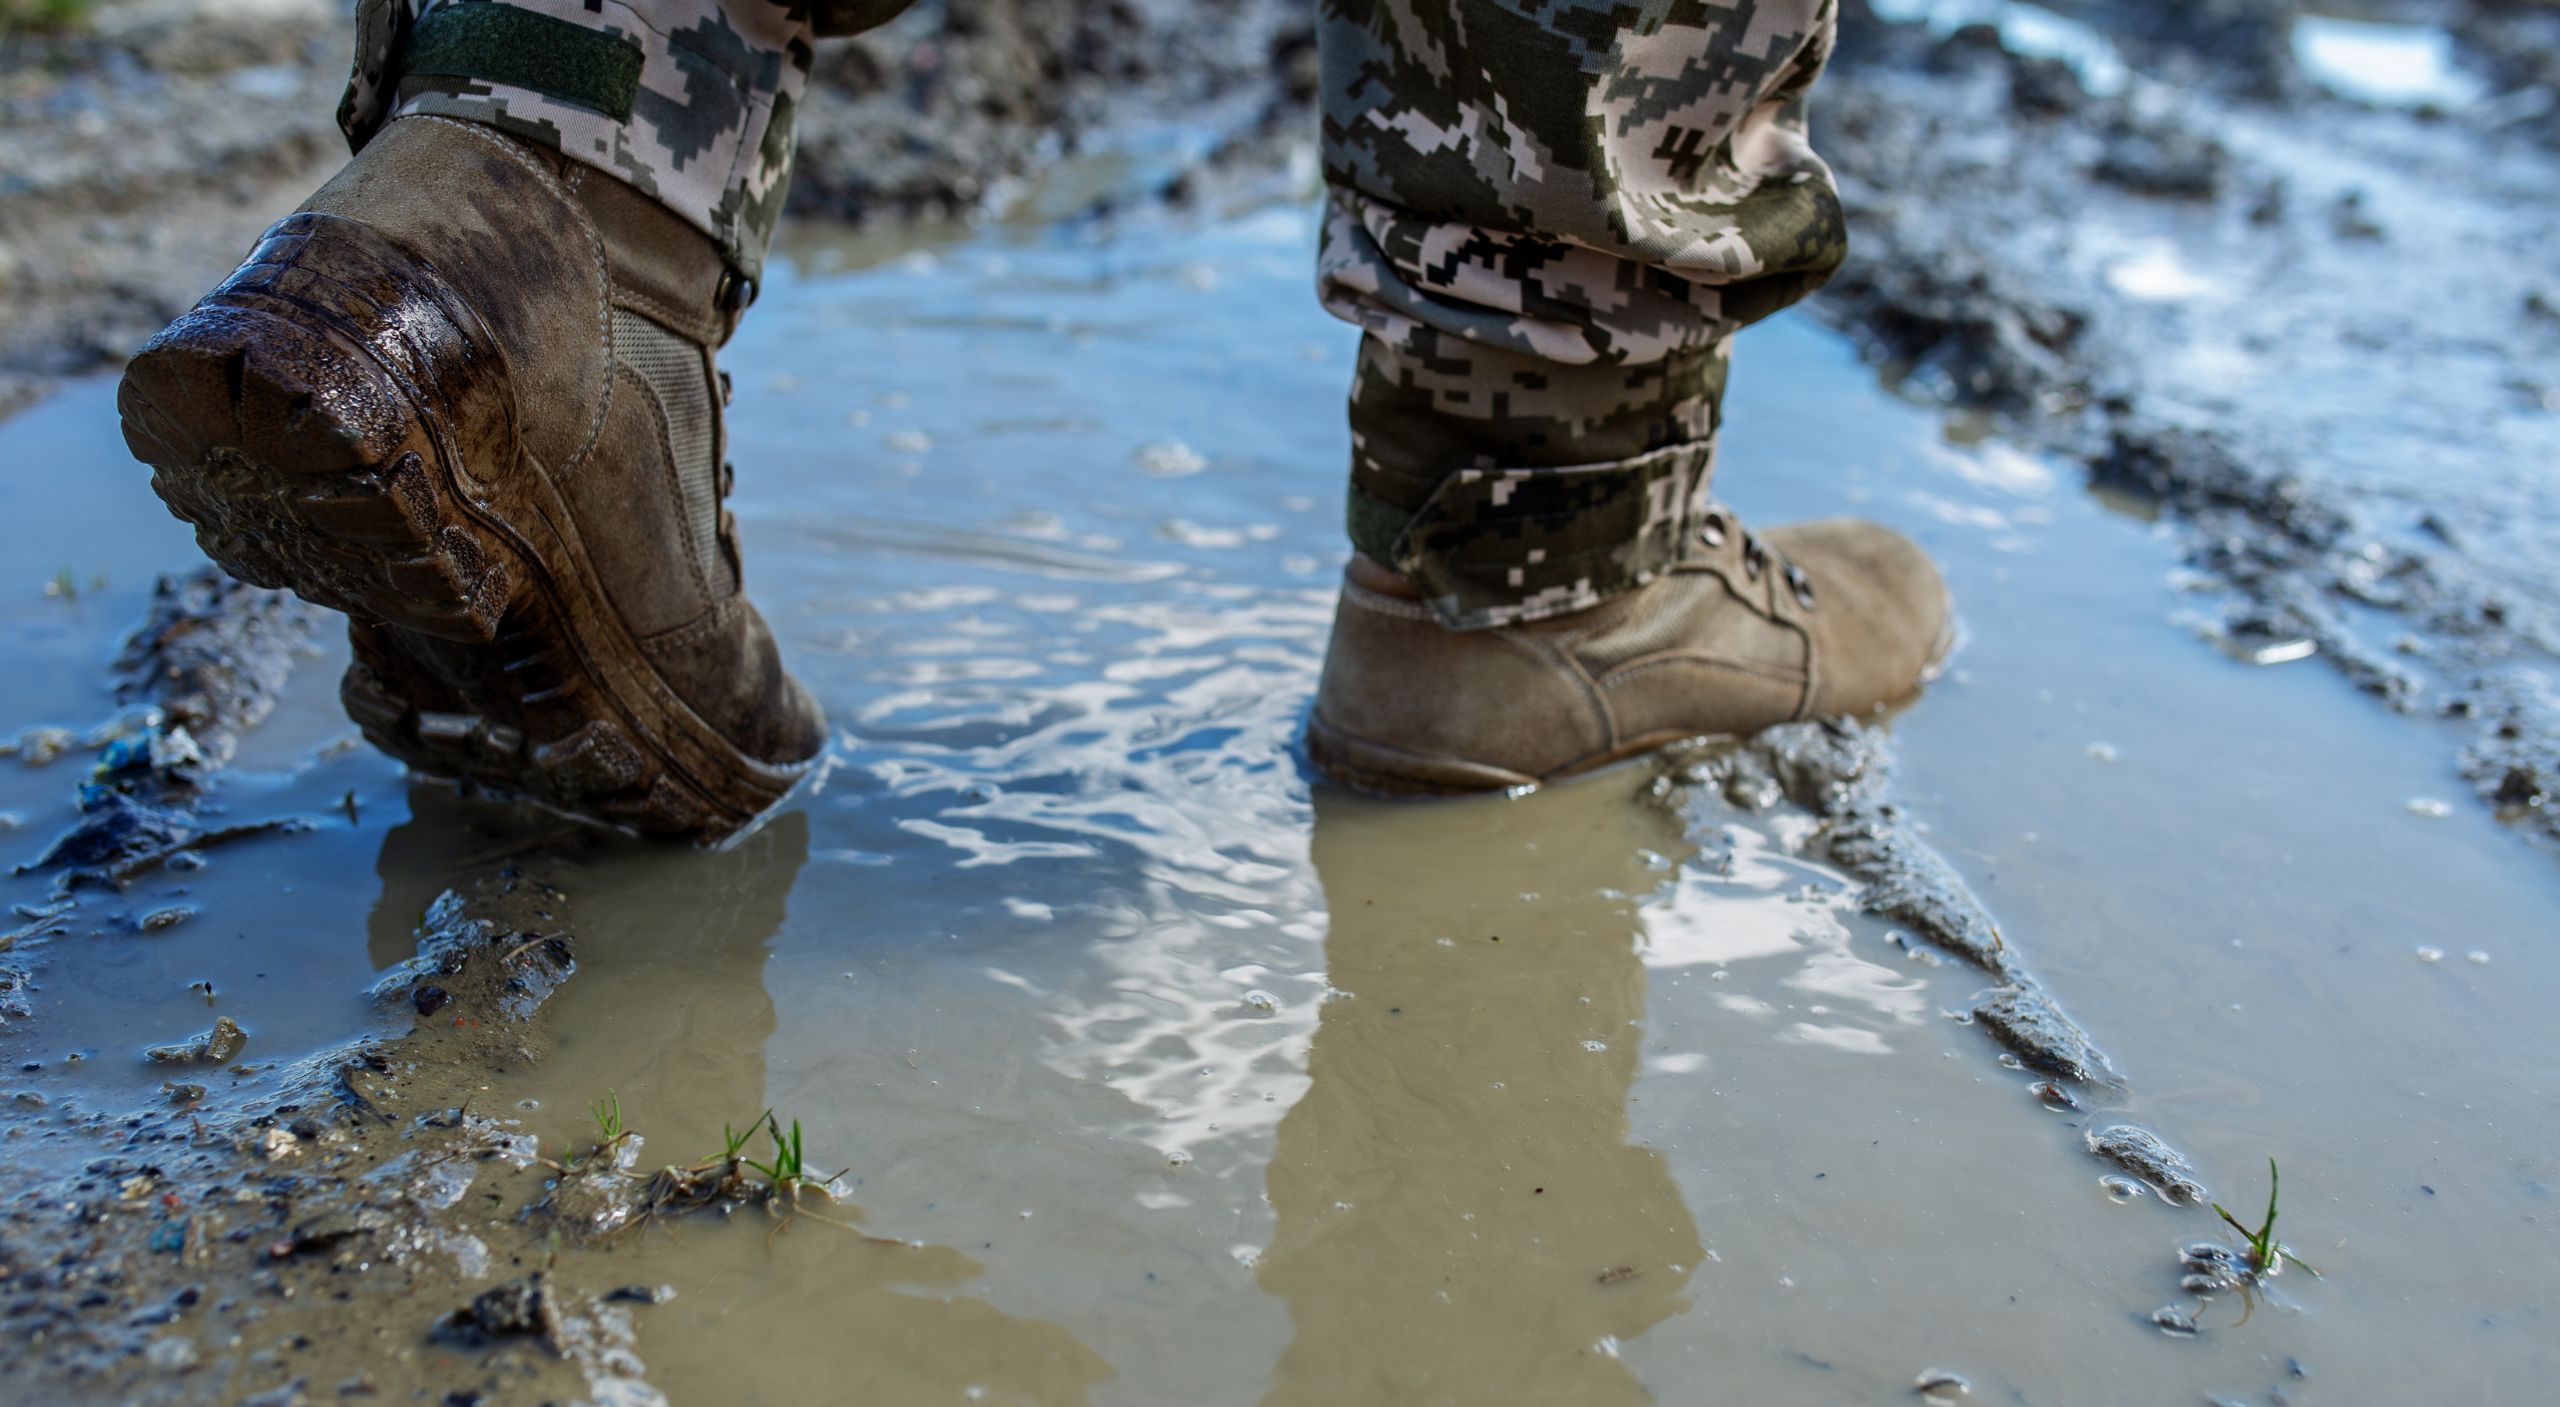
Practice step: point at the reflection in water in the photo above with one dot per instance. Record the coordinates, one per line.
(671, 1012)
(1461, 1218)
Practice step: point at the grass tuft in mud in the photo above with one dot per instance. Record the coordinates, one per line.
(610, 1128)
(2266, 1255)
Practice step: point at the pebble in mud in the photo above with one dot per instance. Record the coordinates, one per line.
(2025, 1020)
(520, 1307)
(212, 1047)
(2211, 1267)
(2140, 1152)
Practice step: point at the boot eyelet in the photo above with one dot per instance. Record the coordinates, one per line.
(1711, 530)
(1802, 584)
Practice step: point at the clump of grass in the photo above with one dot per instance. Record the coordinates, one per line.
(2266, 1254)
(607, 1112)
(778, 1182)
(787, 1175)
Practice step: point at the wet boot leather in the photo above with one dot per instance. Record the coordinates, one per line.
(466, 395)
(1814, 619)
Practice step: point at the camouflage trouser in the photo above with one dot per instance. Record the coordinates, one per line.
(689, 100)
(1549, 216)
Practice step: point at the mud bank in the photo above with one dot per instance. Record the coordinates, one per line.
(2151, 243)
(1837, 772)
(312, 1239)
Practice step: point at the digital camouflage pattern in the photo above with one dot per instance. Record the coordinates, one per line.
(1547, 215)
(712, 85)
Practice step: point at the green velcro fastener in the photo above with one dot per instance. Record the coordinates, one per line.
(553, 57)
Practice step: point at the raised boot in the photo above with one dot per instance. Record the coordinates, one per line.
(466, 395)
(1815, 619)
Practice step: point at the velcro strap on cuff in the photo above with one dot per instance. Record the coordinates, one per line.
(1500, 546)
(522, 49)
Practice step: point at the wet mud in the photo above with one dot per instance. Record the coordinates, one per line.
(1837, 771)
(1156, 1073)
(2111, 233)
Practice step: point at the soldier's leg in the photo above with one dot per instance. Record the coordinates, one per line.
(688, 101)
(1550, 217)
(466, 394)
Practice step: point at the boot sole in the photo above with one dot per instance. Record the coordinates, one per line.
(310, 419)
(1376, 769)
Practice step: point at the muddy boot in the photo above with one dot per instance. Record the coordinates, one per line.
(466, 395)
(1815, 619)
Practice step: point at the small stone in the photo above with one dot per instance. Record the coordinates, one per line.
(213, 1047)
(2427, 954)
(1939, 1385)
(2140, 1152)
(172, 1354)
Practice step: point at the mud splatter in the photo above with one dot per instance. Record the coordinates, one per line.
(326, 1202)
(1839, 771)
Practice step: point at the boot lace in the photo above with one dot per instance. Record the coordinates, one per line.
(1716, 529)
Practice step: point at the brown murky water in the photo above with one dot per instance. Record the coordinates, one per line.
(1183, 1082)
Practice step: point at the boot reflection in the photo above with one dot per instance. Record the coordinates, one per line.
(1460, 1218)
(669, 1010)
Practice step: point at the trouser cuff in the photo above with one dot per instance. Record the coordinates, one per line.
(1511, 489)
(688, 101)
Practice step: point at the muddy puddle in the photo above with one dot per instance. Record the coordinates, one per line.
(1164, 1077)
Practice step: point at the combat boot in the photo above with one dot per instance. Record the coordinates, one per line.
(466, 395)
(1816, 619)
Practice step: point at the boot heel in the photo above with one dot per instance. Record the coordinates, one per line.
(302, 427)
